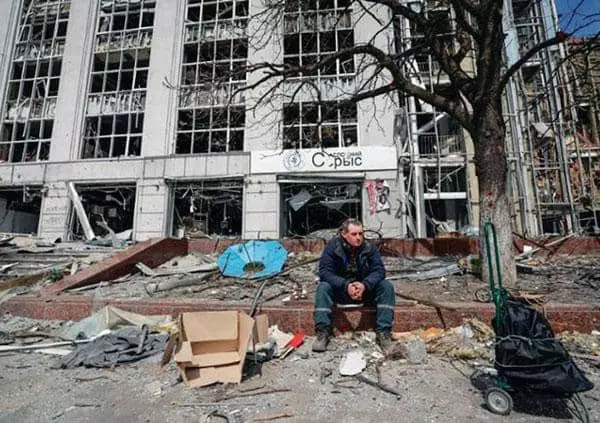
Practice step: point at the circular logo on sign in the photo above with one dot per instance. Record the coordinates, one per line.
(292, 160)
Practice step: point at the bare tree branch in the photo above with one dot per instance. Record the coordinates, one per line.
(559, 38)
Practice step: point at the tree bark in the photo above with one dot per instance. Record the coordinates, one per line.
(491, 166)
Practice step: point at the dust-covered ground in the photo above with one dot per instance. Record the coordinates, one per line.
(560, 279)
(296, 389)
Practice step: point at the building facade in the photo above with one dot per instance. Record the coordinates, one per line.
(108, 110)
(134, 114)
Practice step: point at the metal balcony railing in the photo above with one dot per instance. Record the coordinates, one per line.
(441, 145)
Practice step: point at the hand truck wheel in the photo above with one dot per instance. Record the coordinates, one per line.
(482, 295)
(498, 401)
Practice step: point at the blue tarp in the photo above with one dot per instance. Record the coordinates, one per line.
(242, 260)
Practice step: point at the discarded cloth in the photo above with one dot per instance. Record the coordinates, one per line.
(111, 317)
(122, 346)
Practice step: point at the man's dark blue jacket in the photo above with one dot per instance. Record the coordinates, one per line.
(335, 259)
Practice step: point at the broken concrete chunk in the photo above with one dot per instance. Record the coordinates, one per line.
(353, 363)
(415, 351)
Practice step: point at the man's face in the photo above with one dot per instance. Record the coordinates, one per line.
(354, 235)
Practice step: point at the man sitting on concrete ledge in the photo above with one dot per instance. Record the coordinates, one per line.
(351, 272)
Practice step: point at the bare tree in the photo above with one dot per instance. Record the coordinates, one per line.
(467, 44)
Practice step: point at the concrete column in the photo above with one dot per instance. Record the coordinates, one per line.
(261, 207)
(55, 210)
(71, 103)
(150, 209)
(387, 222)
(263, 125)
(165, 60)
(9, 18)
(376, 116)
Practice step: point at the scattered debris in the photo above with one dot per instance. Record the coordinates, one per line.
(413, 350)
(353, 363)
(470, 340)
(379, 385)
(582, 343)
(471, 264)
(451, 269)
(253, 394)
(272, 417)
(428, 301)
(325, 373)
(23, 281)
(176, 270)
(293, 344)
(90, 379)
(17, 348)
(282, 339)
(532, 251)
(153, 287)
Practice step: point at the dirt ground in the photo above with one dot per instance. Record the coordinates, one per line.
(437, 390)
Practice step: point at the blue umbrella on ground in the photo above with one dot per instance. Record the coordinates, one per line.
(253, 259)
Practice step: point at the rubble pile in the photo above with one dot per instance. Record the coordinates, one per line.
(30, 263)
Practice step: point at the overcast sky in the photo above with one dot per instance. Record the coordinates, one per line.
(581, 17)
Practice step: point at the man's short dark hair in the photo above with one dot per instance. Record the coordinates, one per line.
(350, 221)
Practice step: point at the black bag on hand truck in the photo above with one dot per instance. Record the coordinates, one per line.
(529, 359)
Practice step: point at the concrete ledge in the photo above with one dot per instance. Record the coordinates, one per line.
(152, 253)
(298, 316)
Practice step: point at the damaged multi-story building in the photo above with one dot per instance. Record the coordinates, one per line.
(112, 119)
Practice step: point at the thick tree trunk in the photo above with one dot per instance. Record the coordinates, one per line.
(491, 168)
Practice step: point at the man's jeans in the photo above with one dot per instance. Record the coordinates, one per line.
(381, 295)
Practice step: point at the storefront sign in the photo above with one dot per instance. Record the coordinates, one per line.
(324, 160)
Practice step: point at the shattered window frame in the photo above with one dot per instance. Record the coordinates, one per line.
(116, 100)
(313, 30)
(445, 179)
(118, 205)
(446, 215)
(326, 125)
(205, 201)
(34, 80)
(321, 206)
(24, 199)
(211, 117)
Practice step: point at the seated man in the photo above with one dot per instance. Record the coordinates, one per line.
(351, 271)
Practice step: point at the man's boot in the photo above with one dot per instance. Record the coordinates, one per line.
(384, 340)
(320, 344)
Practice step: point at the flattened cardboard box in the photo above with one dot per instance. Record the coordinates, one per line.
(214, 346)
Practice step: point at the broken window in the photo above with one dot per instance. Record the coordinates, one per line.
(117, 92)
(311, 125)
(311, 208)
(445, 179)
(439, 134)
(314, 30)
(105, 206)
(32, 89)
(208, 208)
(446, 215)
(211, 108)
(20, 209)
